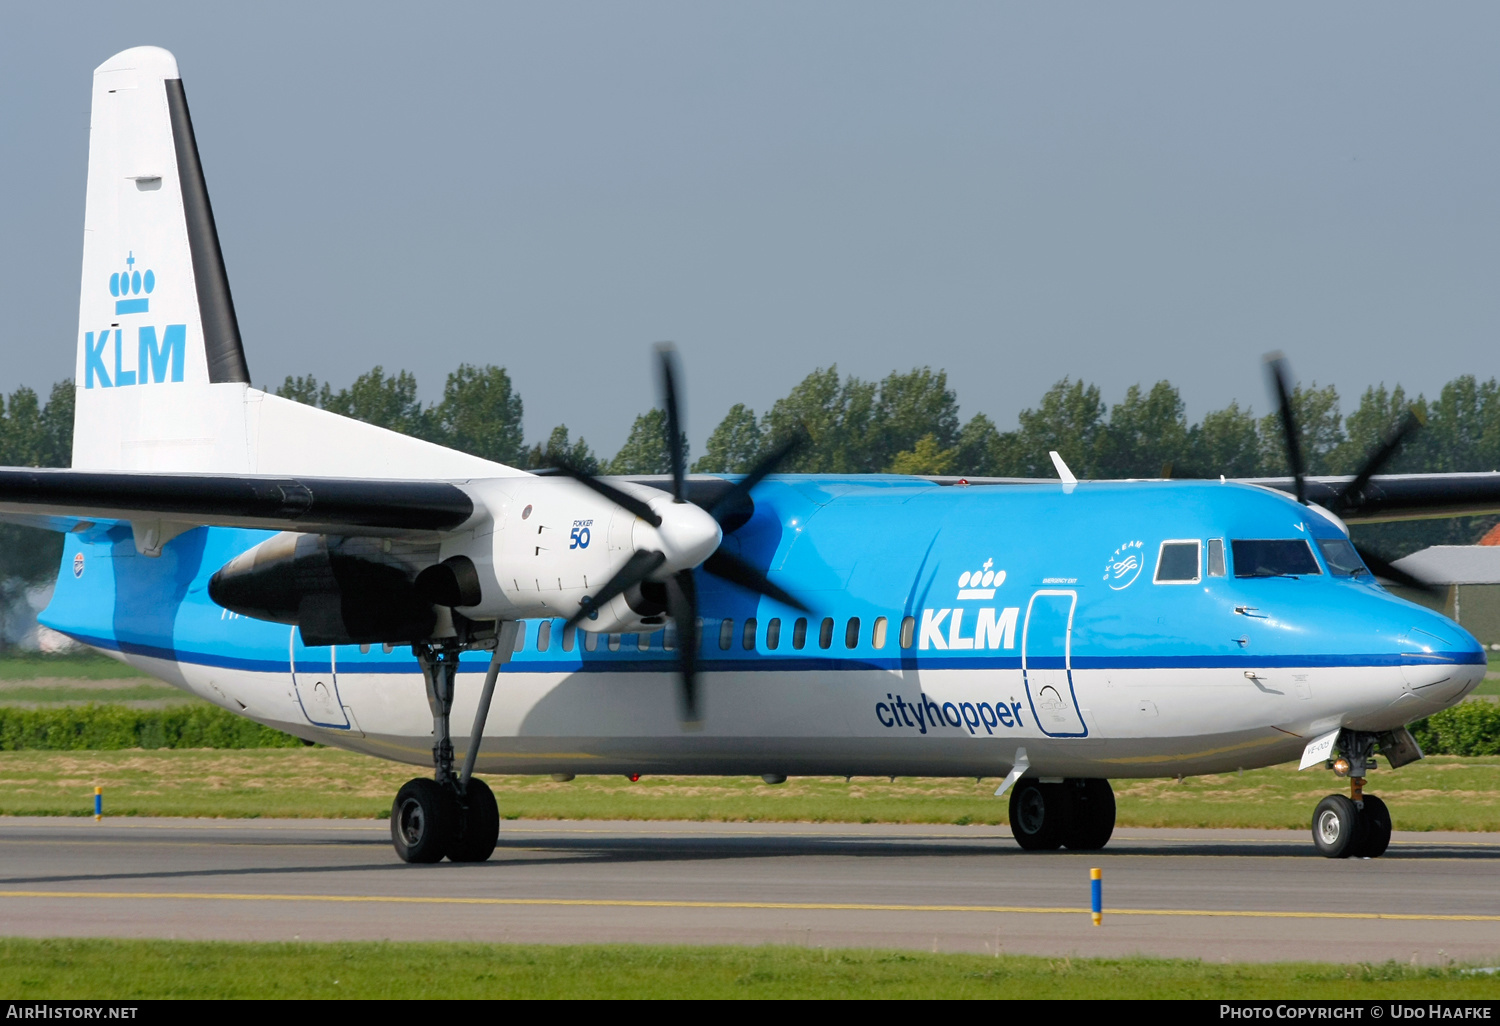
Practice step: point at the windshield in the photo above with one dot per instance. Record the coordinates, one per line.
(1273, 558)
(1341, 558)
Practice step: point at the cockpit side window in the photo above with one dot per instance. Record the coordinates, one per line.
(1179, 562)
(1341, 558)
(1273, 557)
(1216, 557)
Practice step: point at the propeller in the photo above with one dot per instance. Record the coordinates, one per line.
(1276, 366)
(683, 521)
(1351, 496)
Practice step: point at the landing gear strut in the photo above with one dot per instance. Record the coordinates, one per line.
(454, 814)
(1074, 813)
(1358, 826)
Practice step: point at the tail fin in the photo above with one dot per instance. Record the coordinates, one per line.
(161, 378)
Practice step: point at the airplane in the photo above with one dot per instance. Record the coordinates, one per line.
(382, 594)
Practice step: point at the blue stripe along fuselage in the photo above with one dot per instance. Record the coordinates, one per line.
(870, 548)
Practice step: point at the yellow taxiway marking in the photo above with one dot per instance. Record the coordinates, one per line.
(367, 899)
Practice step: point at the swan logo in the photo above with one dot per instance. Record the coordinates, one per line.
(1123, 566)
(981, 583)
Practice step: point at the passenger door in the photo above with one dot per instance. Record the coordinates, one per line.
(315, 680)
(1047, 663)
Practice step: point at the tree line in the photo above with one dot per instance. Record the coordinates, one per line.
(905, 423)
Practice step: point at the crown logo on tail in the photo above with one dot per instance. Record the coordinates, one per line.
(131, 288)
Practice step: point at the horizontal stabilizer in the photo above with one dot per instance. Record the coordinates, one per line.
(310, 504)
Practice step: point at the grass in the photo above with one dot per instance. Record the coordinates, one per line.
(75, 665)
(66, 692)
(128, 969)
(1439, 793)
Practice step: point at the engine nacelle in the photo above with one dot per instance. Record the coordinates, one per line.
(338, 591)
(548, 543)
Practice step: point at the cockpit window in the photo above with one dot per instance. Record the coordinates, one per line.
(1273, 557)
(1178, 562)
(1341, 558)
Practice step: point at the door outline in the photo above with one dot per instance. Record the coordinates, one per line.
(1067, 660)
(333, 684)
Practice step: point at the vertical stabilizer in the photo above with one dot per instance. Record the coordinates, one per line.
(161, 379)
(160, 366)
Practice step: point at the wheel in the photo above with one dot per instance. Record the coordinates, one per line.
(423, 818)
(478, 825)
(1093, 814)
(1337, 827)
(1377, 828)
(1038, 815)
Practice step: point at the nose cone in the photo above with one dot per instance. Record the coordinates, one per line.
(1440, 661)
(687, 535)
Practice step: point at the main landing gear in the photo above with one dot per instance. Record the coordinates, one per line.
(1358, 826)
(1074, 813)
(454, 814)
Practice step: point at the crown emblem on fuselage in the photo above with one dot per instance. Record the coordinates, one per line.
(131, 288)
(981, 583)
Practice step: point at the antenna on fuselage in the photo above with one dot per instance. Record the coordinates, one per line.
(1063, 472)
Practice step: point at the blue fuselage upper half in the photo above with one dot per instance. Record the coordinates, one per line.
(898, 573)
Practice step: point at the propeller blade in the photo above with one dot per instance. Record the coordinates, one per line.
(667, 362)
(737, 571)
(1380, 568)
(624, 500)
(1350, 496)
(1276, 366)
(636, 569)
(758, 473)
(682, 604)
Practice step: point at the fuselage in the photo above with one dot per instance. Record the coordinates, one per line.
(950, 627)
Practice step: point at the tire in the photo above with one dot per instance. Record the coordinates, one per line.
(423, 818)
(1038, 815)
(1337, 827)
(1377, 828)
(1093, 814)
(479, 825)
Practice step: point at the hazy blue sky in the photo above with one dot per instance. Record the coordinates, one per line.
(1015, 192)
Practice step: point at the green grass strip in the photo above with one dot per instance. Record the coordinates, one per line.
(75, 665)
(126, 969)
(1444, 792)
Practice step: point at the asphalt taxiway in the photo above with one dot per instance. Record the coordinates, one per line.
(1211, 894)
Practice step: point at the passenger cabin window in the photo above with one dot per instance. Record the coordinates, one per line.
(614, 643)
(908, 631)
(1273, 557)
(1341, 558)
(669, 638)
(544, 636)
(643, 641)
(726, 635)
(825, 632)
(570, 635)
(747, 638)
(799, 632)
(877, 635)
(521, 638)
(1216, 557)
(1178, 562)
(851, 633)
(590, 641)
(773, 633)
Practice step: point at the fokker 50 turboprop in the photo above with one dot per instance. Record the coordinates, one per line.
(371, 591)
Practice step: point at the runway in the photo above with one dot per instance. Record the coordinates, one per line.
(1210, 894)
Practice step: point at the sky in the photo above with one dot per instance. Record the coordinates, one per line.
(1015, 192)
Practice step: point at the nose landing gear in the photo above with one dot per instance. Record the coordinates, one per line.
(454, 814)
(1358, 826)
